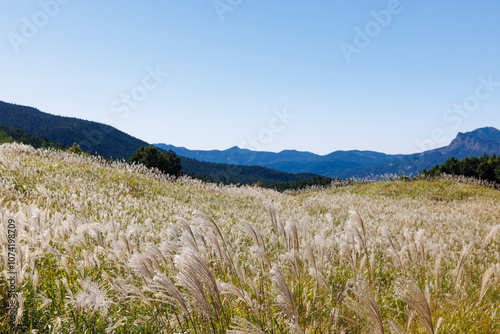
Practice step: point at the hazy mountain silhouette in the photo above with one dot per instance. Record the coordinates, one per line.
(346, 164)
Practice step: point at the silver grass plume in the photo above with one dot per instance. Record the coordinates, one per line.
(133, 234)
(394, 253)
(308, 253)
(118, 324)
(44, 301)
(491, 235)
(285, 296)
(485, 282)
(132, 289)
(20, 307)
(242, 326)
(272, 213)
(185, 225)
(92, 297)
(292, 236)
(208, 221)
(365, 305)
(291, 258)
(70, 251)
(124, 239)
(395, 328)
(154, 251)
(437, 273)
(35, 280)
(64, 261)
(142, 266)
(57, 323)
(230, 288)
(410, 293)
(253, 232)
(458, 271)
(195, 276)
(164, 283)
(356, 228)
(350, 254)
(261, 254)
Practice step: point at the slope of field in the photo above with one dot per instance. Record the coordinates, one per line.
(112, 248)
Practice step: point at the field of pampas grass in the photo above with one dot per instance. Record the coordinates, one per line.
(106, 247)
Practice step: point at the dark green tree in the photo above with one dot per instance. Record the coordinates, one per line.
(485, 167)
(486, 170)
(451, 166)
(150, 157)
(75, 149)
(497, 172)
(469, 166)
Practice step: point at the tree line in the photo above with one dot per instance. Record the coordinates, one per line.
(485, 167)
(10, 135)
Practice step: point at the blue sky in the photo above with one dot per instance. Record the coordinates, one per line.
(391, 76)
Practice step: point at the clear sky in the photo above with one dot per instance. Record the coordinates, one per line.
(391, 76)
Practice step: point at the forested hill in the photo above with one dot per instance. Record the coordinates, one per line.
(91, 136)
(11, 135)
(110, 142)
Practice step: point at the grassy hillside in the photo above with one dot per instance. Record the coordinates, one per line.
(113, 248)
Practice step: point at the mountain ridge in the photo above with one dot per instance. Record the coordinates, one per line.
(354, 163)
(243, 165)
(111, 142)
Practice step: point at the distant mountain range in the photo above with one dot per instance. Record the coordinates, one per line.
(111, 142)
(346, 164)
(242, 165)
(336, 164)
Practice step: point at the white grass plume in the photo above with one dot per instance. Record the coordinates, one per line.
(165, 283)
(365, 305)
(284, 296)
(493, 231)
(242, 326)
(485, 282)
(410, 292)
(466, 251)
(356, 228)
(194, 275)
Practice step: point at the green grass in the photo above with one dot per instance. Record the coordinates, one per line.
(437, 190)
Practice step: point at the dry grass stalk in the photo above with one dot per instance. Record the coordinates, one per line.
(395, 328)
(437, 274)
(165, 283)
(118, 324)
(198, 279)
(365, 305)
(285, 296)
(253, 232)
(292, 236)
(356, 227)
(410, 292)
(242, 326)
(489, 236)
(485, 282)
(466, 251)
